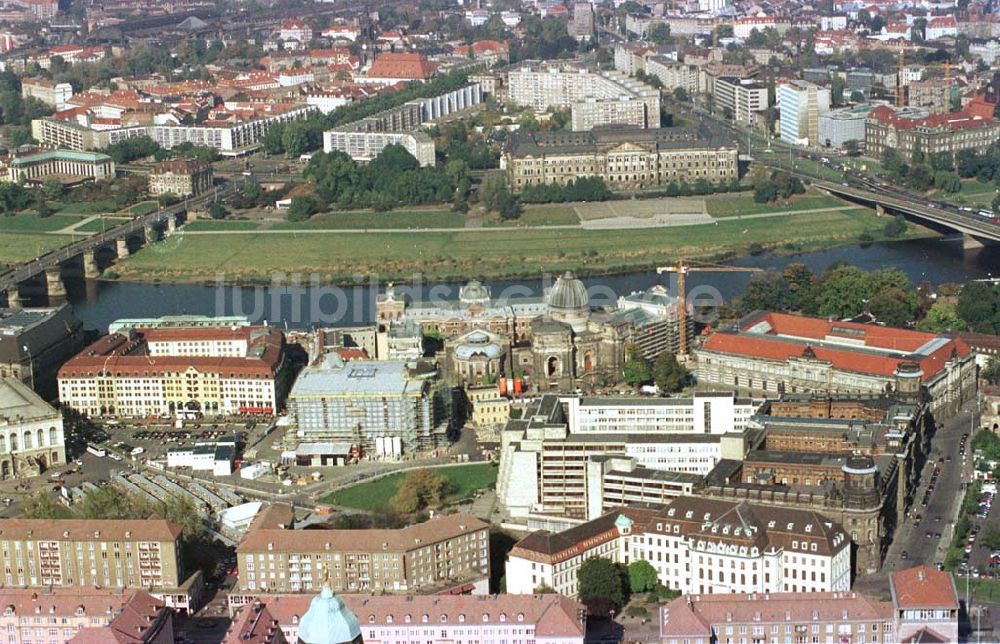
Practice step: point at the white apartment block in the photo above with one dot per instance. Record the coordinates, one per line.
(48, 92)
(365, 146)
(541, 86)
(673, 74)
(554, 458)
(696, 545)
(703, 413)
(801, 104)
(744, 99)
(225, 138)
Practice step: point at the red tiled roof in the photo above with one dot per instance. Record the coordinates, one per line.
(923, 587)
(483, 46)
(964, 119)
(122, 355)
(787, 336)
(401, 66)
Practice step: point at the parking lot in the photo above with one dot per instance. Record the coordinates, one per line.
(151, 439)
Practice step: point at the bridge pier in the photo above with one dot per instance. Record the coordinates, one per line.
(90, 268)
(14, 298)
(54, 284)
(171, 223)
(151, 234)
(971, 243)
(879, 209)
(121, 248)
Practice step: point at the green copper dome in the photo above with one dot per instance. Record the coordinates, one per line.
(328, 621)
(568, 294)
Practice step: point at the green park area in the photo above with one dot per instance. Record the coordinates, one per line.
(743, 204)
(497, 252)
(84, 207)
(100, 224)
(461, 482)
(974, 194)
(370, 220)
(539, 215)
(220, 224)
(18, 247)
(30, 223)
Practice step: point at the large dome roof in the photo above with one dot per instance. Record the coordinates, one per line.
(568, 294)
(474, 291)
(328, 621)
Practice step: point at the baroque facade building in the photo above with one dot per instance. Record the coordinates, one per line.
(626, 158)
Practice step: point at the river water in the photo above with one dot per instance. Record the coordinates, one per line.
(98, 303)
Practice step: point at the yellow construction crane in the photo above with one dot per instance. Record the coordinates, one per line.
(682, 268)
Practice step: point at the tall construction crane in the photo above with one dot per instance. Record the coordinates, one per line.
(682, 268)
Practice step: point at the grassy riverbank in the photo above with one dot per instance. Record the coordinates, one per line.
(252, 257)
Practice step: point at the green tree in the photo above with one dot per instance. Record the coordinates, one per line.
(668, 374)
(302, 208)
(991, 372)
(801, 284)
(43, 505)
(893, 306)
(419, 489)
(851, 148)
(218, 211)
(681, 95)
(979, 307)
(766, 292)
(601, 585)
(895, 227)
(659, 33)
(841, 292)
(636, 370)
(641, 576)
(941, 318)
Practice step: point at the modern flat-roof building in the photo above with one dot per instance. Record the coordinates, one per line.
(227, 137)
(594, 98)
(153, 371)
(744, 99)
(71, 553)
(85, 616)
(461, 619)
(625, 157)
(440, 553)
(696, 546)
(365, 146)
(836, 127)
(801, 103)
(780, 353)
(31, 432)
(577, 456)
(388, 407)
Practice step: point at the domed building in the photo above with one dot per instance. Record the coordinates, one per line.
(329, 621)
(569, 347)
(475, 358)
(559, 341)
